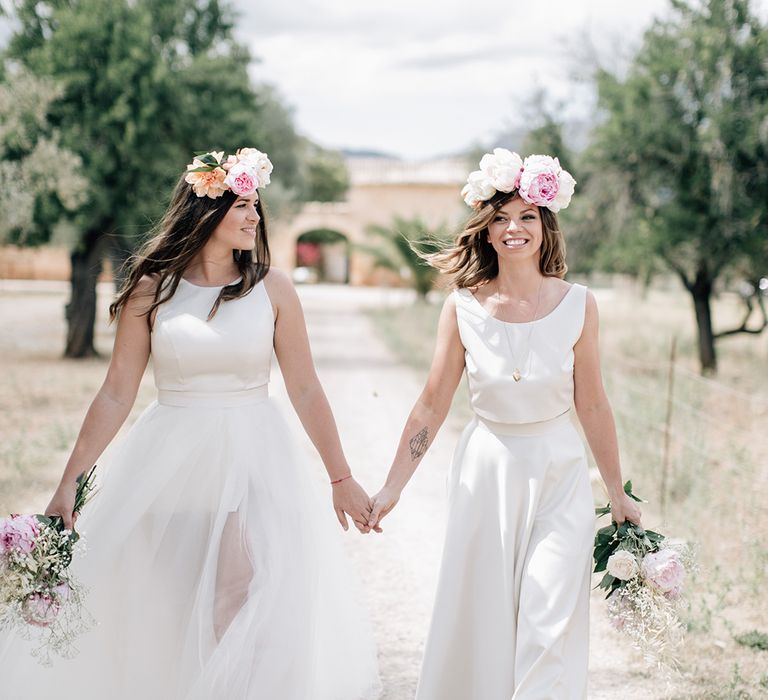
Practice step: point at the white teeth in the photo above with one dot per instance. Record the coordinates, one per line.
(515, 242)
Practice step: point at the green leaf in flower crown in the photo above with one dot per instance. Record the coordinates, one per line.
(208, 159)
(203, 169)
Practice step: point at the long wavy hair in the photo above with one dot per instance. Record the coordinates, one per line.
(471, 261)
(181, 234)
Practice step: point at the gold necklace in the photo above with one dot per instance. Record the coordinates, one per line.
(517, 375)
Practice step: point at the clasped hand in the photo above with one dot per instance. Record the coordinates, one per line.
(350, 499)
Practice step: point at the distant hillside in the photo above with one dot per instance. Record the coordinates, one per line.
(365, 153)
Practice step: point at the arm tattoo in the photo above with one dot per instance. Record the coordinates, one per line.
(418, 444)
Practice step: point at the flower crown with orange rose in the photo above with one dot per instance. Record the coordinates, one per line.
(538, 180)
(242, 173)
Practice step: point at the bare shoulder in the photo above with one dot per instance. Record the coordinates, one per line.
(282, 294)
(143, 294)
(450, 303)
(558, 287)
(591, 303)
(591, 317)
(278, 282)
(147, 284)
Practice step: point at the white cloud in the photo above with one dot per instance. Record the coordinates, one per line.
(421, 77)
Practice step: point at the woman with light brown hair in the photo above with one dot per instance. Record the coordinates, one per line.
(512, 608)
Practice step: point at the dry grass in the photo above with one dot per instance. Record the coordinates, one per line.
(42, 397)
(716, 472)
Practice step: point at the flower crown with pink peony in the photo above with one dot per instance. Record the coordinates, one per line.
(538, 180)
(242, 173)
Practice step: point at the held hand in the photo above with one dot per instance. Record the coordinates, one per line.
(349, 498)
(624, 508)
(383, 502)
(62, 504)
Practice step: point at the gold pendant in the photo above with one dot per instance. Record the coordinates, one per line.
(516, 375)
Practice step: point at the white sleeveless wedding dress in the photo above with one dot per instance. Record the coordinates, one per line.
(511, 615)
(214, 566)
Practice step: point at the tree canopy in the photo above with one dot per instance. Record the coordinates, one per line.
(137, 87)
(677, 170)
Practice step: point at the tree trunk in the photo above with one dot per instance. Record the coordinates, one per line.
(701, 291)
(81, 310)
(119, 252)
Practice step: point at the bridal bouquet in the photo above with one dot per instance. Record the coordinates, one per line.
(39, 597)
(644, 577)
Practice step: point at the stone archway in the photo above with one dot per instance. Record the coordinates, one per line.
(322, 255)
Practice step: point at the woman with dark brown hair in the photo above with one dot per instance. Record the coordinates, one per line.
(213, 570)
(512, 608)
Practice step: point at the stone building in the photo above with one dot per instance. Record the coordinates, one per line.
(320, 238)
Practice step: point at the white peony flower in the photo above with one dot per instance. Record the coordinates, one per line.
(622, 565)
(502, 169)
(478, 188)
(258, 161)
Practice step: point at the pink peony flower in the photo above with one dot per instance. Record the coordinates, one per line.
(539, 183)
(40, 609)
(242, 179)
(19, 532)
(665, 571)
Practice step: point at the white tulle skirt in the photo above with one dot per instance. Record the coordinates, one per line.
(213, 570)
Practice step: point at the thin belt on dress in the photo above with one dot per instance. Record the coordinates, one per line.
(212, 399)
(537, 428)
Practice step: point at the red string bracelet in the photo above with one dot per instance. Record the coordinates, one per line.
(338, 481)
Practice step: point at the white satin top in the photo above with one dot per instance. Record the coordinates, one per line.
(230, 353)
(542, 350)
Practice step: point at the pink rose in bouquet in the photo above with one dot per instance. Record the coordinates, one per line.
(41, 609)
(665, 571)
(19, 532)
(39, 597)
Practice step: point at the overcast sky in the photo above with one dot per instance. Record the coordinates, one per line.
(419, 78)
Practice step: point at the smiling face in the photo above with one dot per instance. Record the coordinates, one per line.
(516, 231)
(240, 225)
